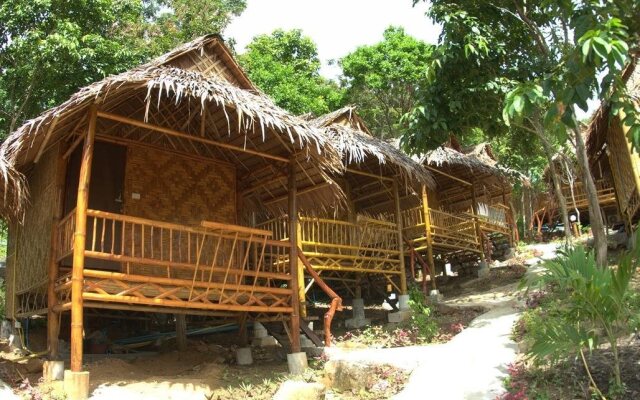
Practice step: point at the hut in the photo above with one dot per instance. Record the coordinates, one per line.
(469, 217)
(608, 145)
(137, 188)
(358, 242)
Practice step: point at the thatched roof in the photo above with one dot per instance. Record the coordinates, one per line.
(13, 186)
(197, 87)
(597, 129)
(346, 116)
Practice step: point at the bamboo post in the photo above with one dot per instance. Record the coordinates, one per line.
(403, 271)
(302, 293)
(79, 238)
(427, 226)
(293, 258)
(476, 223)
(53, 322)
(352, 217)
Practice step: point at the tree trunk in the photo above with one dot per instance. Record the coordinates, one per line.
(595, 215)
(557, 188)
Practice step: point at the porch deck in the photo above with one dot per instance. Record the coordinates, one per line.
(136, 263)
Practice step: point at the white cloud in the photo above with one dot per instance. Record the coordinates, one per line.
(337, 26)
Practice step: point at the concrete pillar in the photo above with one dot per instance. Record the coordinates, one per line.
(243, 356)
(76, 385)
(359, 320)
(297, 363)
(403, 302)
(435, 297)
(483, 269)
(53, 371)
(5, 329)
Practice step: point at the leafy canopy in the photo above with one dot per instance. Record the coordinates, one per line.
(382, 79)
(285, 65)
(50, 48)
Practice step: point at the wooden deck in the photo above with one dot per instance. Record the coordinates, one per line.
(135, 262)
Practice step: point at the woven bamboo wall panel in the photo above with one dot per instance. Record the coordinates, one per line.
(621, 162)
(177, 189)
(32, 245)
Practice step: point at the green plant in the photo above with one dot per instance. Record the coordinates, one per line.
(422, 317)
(594, 304)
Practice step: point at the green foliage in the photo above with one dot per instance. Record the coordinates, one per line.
(50, 48)
(591, 305)
(422, 317)
(285, 65)
(382, 78)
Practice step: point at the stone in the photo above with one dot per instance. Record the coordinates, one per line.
(510, 253)
(259, 331)
(435, 297)
(347, 376)
(6, 393)
(399, 316)
(34, 365)
(300, 390)
(266, 341)
(483, 270)
(53, 371)
(76, 385)
(297, 363)
(5, 329)
(243, 356)
(403, 302)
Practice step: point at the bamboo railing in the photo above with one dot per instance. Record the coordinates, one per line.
(336, 301)
(215, 266)
(604, 190)
(448, 231)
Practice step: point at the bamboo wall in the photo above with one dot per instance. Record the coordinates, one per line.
(624, 165)
(29, 244)
(178, 189)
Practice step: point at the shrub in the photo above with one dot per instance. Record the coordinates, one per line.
(593, 304)
(422, 318)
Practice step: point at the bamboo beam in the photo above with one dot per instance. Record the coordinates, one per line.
(429, 244)
(154, 309)
(53, 322)
(73, 146)
(430, 168)
(370, 175)
(43, 146)
(304, 190)
(79, 239)
(293, 258)
(172, 132)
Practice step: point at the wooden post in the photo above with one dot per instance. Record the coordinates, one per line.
(476, 223)
(427, 226)
(403, 271)
(354, 241)
(79, 238)
(181, 331)
(509, 214)
(53, 322)
(293, 258)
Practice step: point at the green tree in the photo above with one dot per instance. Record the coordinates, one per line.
(381, 79)
(535, 60)
(285, 65)
(50, 48)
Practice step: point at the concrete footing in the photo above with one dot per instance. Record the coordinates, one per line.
(76, 385)
(243, 356)
(359, 320)
(435, 297)
(297, 363)
(403, 302)
(53, 371)
(483, 270)
(399, 316)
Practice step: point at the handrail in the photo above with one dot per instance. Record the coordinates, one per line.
(336, 301)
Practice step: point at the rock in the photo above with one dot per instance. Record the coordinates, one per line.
(6, 393)
(299, 390)
(399, 316)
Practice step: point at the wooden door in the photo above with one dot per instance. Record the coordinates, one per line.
(106, 192)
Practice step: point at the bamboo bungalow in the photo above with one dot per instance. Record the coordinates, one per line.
(137, 185)
(358, 242)
(608, 144)
(467, 216)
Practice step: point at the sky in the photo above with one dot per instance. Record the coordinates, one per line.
(337, 26)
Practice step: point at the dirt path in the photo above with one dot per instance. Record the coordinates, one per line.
(473, 364)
